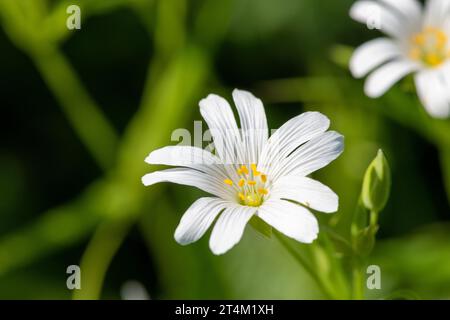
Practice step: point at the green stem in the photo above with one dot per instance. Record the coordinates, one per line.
(98, 256)
(305, 265)
(86, 118)
(358, 281)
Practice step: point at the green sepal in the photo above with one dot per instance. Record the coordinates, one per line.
(261, 226)
(365, 240)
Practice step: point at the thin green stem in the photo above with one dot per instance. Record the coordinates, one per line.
(340, 284)
(98, 256)
(84, 115)
(358, 281)
(305, 265)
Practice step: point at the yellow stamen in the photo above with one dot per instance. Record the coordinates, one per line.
(255, 172)
(419, 39)
(242, 169)
(433, 59)
(429, 47)
(252, 191)
(262, 191)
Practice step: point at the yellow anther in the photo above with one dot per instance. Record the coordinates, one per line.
(441, 39)
(241, 183)
(433, 59)
(228, 182)
(255, 172)
(251, 182)
(242, 170)
(419, 39)
(263, 178)
(262, 191)
(241, 196)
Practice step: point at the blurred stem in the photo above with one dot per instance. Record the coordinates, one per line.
(323, 287)
(98, 256)
(358, 280)
(339, 280)
(85, 116)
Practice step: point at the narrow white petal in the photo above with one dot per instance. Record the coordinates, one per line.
(291, 219)
(191, 177)
(290, 136)
(433, 89)
(197, 219)
(221, 122)
(253, 123)
(371, 12)
(410, 10)
(436, 12)
(311, 156)
(387, 75)
(187, 156)
(372, 54)
(229, 228)
(306, 191)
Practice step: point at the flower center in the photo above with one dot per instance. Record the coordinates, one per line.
(430, 47)
(250, 187)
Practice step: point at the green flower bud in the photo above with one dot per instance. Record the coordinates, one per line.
(376, 184)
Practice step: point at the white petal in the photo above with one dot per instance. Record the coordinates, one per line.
(229, 228)
(387, 75)
(187, 156)
(306, 191)
(411, 10)
(291, 219)
(371, 54)
(289, 136)
(433, 89)
(374, 13)
(253, 123)
(311, 156)
(191, 177)
(436, 12)
(197, 219)
(220, 119)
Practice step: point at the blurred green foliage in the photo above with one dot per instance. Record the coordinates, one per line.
(81, 109)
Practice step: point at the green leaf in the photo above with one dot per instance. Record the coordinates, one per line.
(377, 183)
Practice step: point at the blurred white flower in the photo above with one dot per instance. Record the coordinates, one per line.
(133, 290)
(267, 177)
(418, 43)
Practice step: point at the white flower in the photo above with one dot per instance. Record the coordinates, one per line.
(419, 43)
(266, 178)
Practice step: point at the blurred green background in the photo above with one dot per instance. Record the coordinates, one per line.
(81, 109)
